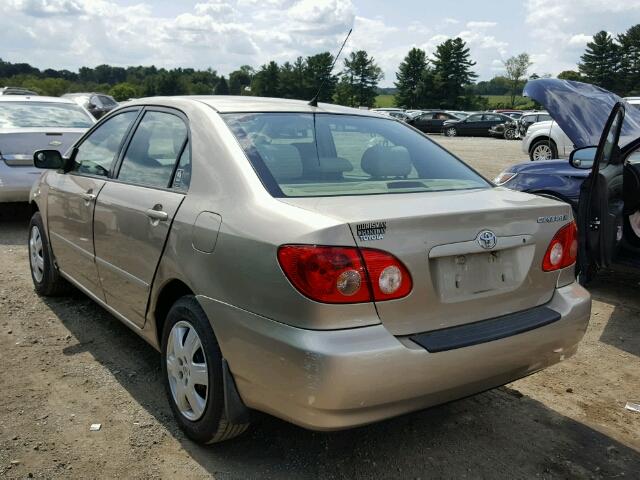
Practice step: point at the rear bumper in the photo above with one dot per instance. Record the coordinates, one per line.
(16, 182)
(328, 380)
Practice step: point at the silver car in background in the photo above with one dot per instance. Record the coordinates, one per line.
(28, 124)
(326, 265)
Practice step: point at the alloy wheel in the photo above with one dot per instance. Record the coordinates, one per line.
(36, 254)
(451, 132)
(187, 370)
(542, 152)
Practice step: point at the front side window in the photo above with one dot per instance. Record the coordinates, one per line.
(97, 152)
(474, 118)
(43, 114)
(154, 150)
(305, 155)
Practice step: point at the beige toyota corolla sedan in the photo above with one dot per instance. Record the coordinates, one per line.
(325, 265)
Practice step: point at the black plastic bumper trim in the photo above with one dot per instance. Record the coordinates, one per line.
(486, 330)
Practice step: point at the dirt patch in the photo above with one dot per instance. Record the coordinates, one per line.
(67, 364)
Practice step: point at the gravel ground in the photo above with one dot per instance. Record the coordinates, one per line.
(66, 364)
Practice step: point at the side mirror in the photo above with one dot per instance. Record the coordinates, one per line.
(51, 159)
(583, 158)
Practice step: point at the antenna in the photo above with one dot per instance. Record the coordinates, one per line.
(314, 100)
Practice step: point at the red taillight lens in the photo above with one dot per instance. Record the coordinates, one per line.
(344, 274)
(389, 277)
(563, 249)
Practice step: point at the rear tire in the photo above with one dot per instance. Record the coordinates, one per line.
(450, 132)
(191, 357)
(510, 134)
(544, 149)
(47, 281)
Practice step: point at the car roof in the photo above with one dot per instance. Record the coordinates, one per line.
(34, 99)
(230, 103)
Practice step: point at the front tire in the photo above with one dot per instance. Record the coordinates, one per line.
(543, 150)
(47, 281)
(450, 132)
(193, 374)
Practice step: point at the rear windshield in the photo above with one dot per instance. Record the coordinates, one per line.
(306, 155)
(40, 114)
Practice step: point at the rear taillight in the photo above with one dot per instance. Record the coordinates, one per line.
(563, 249)
(344, 274)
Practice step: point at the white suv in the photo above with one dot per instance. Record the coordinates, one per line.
(546, 141)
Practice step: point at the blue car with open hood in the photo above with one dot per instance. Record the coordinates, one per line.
(601, 180)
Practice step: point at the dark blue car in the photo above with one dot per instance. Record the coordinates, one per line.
(601, 179)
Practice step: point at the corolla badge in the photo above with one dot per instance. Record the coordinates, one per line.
(55, 143)
(487, 239)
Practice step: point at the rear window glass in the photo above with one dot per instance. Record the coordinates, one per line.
(36, 115)
(305, 155)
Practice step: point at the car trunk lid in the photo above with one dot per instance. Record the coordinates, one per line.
(438, 236)
(18, 144)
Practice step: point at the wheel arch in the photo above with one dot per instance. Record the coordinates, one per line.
(542, 138)
(170, 292)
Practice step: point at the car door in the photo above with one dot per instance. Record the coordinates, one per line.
(601, 205)
(134, 211)
(471, 125)
(422, 122)
(490, 120)
(71, 199)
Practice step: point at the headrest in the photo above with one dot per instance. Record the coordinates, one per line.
(283, 161)
(379, 161)
(330, 165)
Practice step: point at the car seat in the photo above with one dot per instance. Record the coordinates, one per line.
(382, 161)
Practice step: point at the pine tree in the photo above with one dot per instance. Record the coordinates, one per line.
(222, 87)
(239, 79)
(600, 63)
(318, 69)
(410, 77)
(630, 61)
(265, 82)
(452, 68)
(286, 80)
(359, 80)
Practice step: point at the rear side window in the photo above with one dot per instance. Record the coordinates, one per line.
(305, 155)
(154, 150)
(97, 152)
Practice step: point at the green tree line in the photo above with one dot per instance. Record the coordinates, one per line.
(446, 80)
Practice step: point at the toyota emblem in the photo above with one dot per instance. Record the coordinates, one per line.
(487, 239)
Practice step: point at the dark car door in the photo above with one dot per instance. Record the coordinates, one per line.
(490, 120)
(601, 207)
(471, 125)
(424, 122)
(134, 211)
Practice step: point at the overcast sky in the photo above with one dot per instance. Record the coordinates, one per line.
(224, 34)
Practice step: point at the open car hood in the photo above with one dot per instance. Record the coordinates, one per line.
(581, 110)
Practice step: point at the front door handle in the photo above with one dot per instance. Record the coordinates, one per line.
(88, 196)
(157, 215)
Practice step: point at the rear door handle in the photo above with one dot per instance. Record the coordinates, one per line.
(157, 215)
